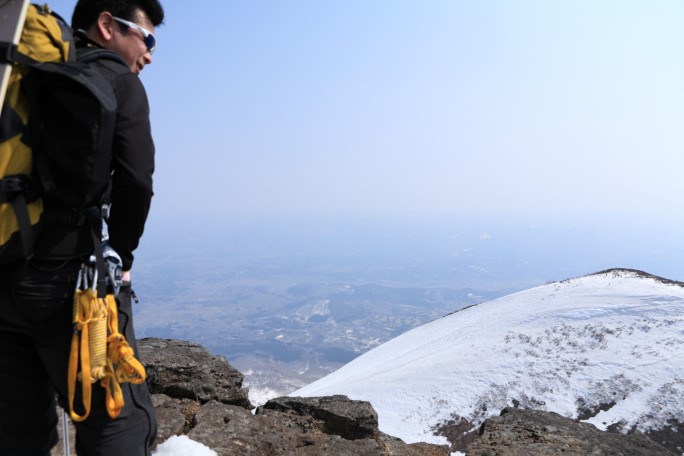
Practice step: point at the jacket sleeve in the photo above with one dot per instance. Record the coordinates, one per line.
(132, 167)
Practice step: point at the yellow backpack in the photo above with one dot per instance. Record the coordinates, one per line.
(56, 134)
(43, 39)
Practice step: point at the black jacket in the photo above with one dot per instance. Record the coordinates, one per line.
(132, 168)
(132, 160)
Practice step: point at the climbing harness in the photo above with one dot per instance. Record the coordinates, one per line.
(103, 352)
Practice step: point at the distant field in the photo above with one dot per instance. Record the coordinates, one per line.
(288, 303)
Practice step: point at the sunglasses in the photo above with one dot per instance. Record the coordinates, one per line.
(149, 39)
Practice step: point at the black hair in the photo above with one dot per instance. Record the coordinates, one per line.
(87, 11)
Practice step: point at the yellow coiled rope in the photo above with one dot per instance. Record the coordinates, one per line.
(108, 359)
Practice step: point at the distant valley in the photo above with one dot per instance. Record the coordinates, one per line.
(284, 336)
(289, 302)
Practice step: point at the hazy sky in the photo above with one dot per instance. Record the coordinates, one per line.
(423, 106)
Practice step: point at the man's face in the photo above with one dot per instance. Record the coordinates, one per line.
(129, 43)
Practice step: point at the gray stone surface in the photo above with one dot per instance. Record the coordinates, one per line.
(202, 396)
(520, 432)
(186, 370)
(351, 420)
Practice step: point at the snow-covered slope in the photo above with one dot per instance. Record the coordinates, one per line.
(612, 341)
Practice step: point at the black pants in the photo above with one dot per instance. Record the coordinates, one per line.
(35, 341)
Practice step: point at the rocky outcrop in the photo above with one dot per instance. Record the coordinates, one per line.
(520, 431)
(185, 370)
(351, 420)
(525, 432)
(201, 396)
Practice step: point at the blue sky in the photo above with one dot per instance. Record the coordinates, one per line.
(415, 107)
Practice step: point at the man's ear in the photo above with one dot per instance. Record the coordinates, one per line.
(105, 26)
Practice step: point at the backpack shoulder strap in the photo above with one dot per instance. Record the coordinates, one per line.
(9, 53)
(89, 55)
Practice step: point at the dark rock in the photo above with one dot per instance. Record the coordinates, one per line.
(671, 436)
(231, 430)
(228, 429)
(174, 416)
(394, 446)
(585, 411)
(184, 370)
(458, 431)
(525, 432)
(351, 420)
(201, 395)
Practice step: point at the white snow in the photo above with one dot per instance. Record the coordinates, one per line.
(182, 446)
(259, 396)
(614, 337)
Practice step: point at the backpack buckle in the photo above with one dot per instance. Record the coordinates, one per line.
(14, 184)
(8, 53)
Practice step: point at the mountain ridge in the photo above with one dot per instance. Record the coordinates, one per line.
(604, 348)
(637, 273)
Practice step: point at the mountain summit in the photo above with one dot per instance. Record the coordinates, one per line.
(606, 349)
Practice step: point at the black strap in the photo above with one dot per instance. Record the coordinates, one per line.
(9, 53)
(92, 54)
(57, 213)
(11, 124)
(24, 221)
(18, 190)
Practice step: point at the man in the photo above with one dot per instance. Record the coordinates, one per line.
(100, 24)
(36, 301)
